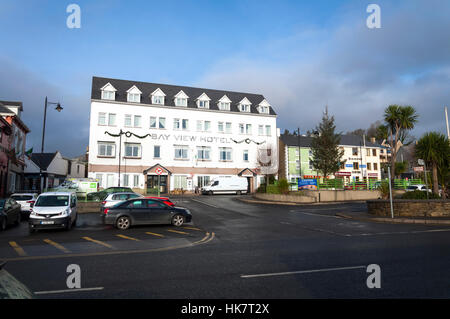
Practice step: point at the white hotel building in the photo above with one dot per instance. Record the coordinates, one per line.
(192, 135)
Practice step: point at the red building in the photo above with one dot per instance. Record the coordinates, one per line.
(5, 151)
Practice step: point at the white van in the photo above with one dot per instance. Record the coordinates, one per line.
(54, 210)
(226, 185)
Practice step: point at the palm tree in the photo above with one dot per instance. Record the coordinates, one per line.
(434, 148)
(399, 119)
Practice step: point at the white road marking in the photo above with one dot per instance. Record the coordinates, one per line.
(199, 201)
(302, 272)
(66, 290)
(320, 215)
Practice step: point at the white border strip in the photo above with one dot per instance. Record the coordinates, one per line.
(67, 290)
(301, 272)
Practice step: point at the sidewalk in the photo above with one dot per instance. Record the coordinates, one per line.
(364, 216)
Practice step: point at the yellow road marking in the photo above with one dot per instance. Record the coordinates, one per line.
(56, 245)
(98, 242)
(208, 237)
(154, 234)
(177, 231)
(17, 248)
(192, 228)
(126, 237)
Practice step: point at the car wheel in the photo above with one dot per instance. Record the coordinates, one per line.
(3, 224)
(177, 220)
(123, 223)
(69, 224)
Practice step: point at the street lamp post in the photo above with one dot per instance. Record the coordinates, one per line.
(59, 109)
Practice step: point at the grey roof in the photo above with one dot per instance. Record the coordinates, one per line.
(43, 160)
(122, 86)
(13, 103)
(347, 140)
(4, 109)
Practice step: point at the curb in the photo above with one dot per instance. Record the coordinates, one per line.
(258, 201)
(396, 220)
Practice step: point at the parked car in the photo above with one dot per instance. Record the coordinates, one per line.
(9, 213)
(26, 201)
(54, 210)
(226, 185)
(144, 211)
(100, 196)
(418, 187)
(116, 198)
(165, 200)
(11, 288)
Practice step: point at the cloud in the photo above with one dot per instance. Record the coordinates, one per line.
(67, 131)
(355, 70)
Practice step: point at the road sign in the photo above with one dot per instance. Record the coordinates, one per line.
(421, 162)
(418, 169)
(159, 171)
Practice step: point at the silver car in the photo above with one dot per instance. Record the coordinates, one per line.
(26, 201)
(115, 198)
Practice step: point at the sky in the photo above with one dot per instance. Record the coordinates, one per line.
(301, 55)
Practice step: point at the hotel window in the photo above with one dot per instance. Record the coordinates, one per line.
(111, 119)
(245, 107)
(135, 181)
(223, 106)
(203, 104)
(176, 124)
(264, 109)
(355, 165)
(203, 126)
(101, 118)
(248, 129)
(180, 124)
(204, 153)
(374, 151)
(228, 127)
(260, 130)
(368, 152)
(157, 151)
(137, 121)
(245, 155)
(241, 129)
(220, 127)
(132, 150)
(153, 122)
(106, 149)
(268, 130)
(369, 166)
(180, 101)
(225, 154)
(355, 151)
(157, 99)
(375, 166)
(108, 95)
(126, 180)
(128, 120)
(162, 122)
(134, 97)
(184, 124)
(181, 151)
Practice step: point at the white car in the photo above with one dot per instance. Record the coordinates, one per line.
(26, 201)
(418, 187)
(115, 198)
(226, 185)
(54, 210)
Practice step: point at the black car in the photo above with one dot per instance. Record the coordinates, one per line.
(99, 196)
(9, 212)
(143, 211)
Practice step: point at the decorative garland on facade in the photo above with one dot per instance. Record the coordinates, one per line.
(248, 141)
(127, 134)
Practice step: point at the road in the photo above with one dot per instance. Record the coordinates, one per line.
(238, 250)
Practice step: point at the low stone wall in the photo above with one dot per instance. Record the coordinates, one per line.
(342, 195)
(88, 207)
(410, 208)
(284, 198)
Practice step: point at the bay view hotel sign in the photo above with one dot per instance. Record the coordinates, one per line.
(193, 135)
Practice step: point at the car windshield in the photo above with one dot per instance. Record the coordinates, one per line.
(22, 197)
(2, 203)
(52, 201)
(412, 187)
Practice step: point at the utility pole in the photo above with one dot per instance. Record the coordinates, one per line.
(299, 156)
(446, 121)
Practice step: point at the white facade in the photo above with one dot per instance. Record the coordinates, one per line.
(193, 145)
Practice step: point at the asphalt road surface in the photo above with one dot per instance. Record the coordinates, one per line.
(238, 250)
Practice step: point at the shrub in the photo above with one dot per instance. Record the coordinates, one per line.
(272, 189)
(283, 186)
(419, 195)
(384, 189)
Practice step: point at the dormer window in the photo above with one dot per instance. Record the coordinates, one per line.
(134, 95)
(158, 97)
(181, 99)
(203, 101)
(244, 105)
(108, 92)
(264, 107)
(224, 103)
